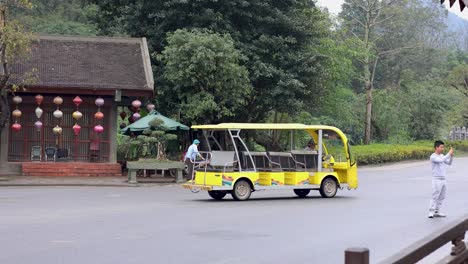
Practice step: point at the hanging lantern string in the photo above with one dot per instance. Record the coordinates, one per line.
(16, 113)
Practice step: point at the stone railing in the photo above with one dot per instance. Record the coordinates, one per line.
(454, 232)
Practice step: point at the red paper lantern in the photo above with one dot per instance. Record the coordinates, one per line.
(77, 101)
(133, 109)
(16, 127)
(123, 115)
(39, 98)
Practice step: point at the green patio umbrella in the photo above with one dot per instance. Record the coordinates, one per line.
(143, 123)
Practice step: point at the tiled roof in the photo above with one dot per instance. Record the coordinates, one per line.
(463, 3)
(88, 63)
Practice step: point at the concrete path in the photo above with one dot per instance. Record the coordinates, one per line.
(167, 224)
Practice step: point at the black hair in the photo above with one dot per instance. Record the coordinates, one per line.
(437, 143)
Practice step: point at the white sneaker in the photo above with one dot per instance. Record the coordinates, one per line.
(439, 214)
(431, 215)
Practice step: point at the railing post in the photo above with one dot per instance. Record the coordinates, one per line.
(357, 256)
(458, 245)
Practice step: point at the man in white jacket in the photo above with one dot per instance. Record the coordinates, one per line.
(439, 164)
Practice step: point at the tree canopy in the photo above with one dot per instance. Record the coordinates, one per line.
(382, 70)
(278, 38)
(14, 43)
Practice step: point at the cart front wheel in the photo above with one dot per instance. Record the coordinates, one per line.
(301, 192)
(328, 188)
(241, 191)
(217, 195)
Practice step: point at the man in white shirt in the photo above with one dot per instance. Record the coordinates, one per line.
(439, 164)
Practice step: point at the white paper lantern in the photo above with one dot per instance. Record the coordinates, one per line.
(150, 108)
(39, 112)
(99, 102)
(17, 99)
(58, 114)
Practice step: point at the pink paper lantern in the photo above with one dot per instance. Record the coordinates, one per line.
(98, 129)
(136, 104)
(136, 116)
(76, 129)
(77, 101)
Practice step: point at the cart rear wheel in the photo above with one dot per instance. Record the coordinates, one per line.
(301, 192)
(328, 188)
(217, 195)
(241, 191)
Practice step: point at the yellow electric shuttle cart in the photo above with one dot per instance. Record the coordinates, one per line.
(231, 167)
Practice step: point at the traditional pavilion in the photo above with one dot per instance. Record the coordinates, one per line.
(65, 121)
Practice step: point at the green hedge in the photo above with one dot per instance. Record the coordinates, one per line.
(381, 153)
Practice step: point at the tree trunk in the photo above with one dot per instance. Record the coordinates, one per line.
(367, 75)
(161, 151)
(4, 76)
(4, 110)
(367, 137)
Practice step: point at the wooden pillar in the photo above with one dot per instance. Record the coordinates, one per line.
(357, 256)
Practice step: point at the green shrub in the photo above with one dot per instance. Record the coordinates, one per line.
(381, 153)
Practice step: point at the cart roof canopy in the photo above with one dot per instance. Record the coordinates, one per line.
(267, 126)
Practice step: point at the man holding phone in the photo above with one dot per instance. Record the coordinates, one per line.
(439, 164)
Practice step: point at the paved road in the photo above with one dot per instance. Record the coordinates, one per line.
(167, 224)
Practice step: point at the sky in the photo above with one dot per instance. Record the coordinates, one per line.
(334, 6)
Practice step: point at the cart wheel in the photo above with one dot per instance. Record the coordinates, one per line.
(241, 191)
(217, 195)
(328, 188)
(301, 192)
